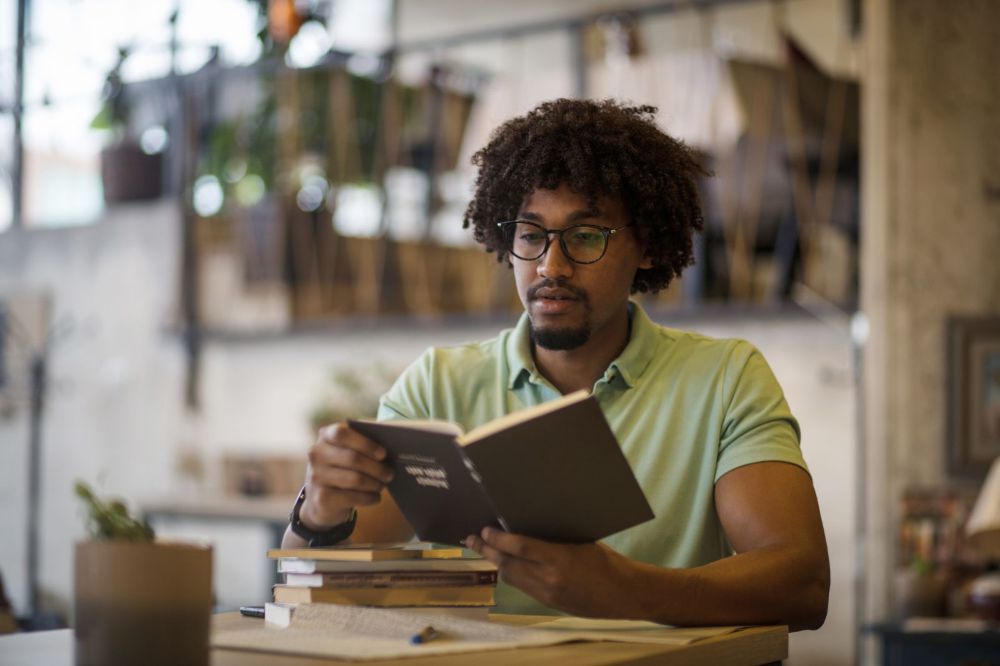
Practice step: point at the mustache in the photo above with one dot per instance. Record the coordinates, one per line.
(556, 284)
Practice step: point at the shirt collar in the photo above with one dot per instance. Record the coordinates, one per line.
(641, 347)
(630, 364)
(522, 364)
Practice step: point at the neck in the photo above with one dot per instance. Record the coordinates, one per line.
(580, 368)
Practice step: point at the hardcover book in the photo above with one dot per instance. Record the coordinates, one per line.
(391, 578)
(368, 552)
(554, 472)
(280, 615)
(461, 595)
(310, 566)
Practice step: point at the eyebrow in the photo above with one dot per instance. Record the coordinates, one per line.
(575, 216)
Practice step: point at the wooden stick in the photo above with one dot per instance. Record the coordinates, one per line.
(826, 185)
(743, 240)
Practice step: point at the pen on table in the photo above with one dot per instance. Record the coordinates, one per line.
(252, 611)
(424, 635)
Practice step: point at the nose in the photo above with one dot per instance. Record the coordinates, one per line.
(554, 263)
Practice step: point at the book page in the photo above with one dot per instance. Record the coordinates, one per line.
(443, 427)
(631, 631)
(505, 422)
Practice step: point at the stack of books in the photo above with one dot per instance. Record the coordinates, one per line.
(413, 574)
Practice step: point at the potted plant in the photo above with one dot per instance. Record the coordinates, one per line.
(127, 172)
(138, 600)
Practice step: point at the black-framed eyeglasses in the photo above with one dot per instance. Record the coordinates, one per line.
(581, 243)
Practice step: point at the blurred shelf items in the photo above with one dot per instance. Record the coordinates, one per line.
(311, 192)
(327, 195)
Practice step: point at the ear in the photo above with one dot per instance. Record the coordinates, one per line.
(646, 262)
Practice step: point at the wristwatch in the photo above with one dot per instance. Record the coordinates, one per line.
(317, 539)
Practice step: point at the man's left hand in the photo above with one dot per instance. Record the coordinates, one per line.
(581, 579)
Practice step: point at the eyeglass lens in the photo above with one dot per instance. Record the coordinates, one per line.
(582, 243)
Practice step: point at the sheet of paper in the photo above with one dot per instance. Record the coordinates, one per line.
(631, 631)
(357, 632)
(354, 632)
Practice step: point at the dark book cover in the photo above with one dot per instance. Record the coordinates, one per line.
(437, 493)
(559, 476)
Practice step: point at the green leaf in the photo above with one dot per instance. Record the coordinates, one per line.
(110, 520)
(102, 121)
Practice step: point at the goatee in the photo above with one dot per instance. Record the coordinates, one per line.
(560, 339)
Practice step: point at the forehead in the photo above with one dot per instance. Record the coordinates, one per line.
(564, 202)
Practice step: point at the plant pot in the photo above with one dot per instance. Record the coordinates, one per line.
(920, 593)
(142, 603)
(128, 174)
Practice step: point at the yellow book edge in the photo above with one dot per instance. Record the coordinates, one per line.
(368, 552)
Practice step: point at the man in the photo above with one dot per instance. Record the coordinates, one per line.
(589, 202)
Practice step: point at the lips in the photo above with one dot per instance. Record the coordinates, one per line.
(554, 299)
(554, 295)
(553, 290)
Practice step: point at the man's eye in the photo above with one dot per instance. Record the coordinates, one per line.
(586, 237)
(531, 237)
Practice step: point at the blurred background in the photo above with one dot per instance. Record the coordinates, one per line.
(224, 223)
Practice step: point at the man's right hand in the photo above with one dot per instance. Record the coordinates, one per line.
(346, 470)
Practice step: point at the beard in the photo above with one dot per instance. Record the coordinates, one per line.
(564, 338)
(560, 339)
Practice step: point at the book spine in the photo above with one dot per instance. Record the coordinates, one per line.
(423, 566)
(394, 579)
(422, 596)
(469, 465)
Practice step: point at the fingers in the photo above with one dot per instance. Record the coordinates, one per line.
(343, 458)
(494, 555)
(345, 470)
(477, 544)
(522, 574)
(516, 545)
(338, 436)
(557, 575)
(346, 473)
(503, 549)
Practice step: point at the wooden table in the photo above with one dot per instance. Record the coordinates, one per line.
(748, 647)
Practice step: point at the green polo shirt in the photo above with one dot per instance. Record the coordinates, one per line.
(685, 408)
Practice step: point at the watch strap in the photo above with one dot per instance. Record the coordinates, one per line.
(315, 538)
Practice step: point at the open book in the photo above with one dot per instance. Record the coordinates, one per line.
(554, 471)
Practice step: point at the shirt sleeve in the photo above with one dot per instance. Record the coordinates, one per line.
(757, 425)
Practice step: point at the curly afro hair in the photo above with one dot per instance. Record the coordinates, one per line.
(597, 148)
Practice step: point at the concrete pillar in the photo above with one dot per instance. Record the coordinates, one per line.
(930, 243)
